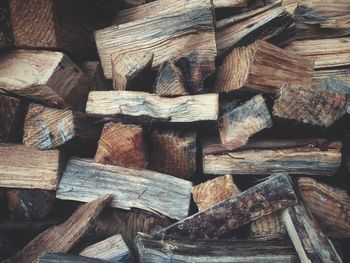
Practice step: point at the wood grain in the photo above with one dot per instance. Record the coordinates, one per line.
(268, 227)
(65, 258)
(320, 75)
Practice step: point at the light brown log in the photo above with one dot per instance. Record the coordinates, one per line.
(94, 73)
(268, 227)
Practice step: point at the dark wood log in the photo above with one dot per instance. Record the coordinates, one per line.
(65, 258)
(93, 70)
(263, 199)
(6, 37)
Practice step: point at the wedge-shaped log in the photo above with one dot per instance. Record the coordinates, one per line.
(48, 128)
(304, 157)
(254, 67)
(268, 227)
(131, 188)
(27, 167)
(181, 109)
(51, 77)
(263, 199)
(63, 237)
(66, 258)
(94, 73)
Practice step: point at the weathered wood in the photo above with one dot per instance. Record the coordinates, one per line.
(254, 67)
(129, 70)
(6, 37)
(51, 77)
(329, 205)
(304, 157)
(268, 227)
(174, 152)
(123, 145)
(263, 199)
(238, 124)
(131, 103)
(131, 188)
(27, 167)
(96, 78)
(65, 258)
(112, 249)
(309, 241)
(320, 76)
(63, 237)
(48, 128)
(336, 84)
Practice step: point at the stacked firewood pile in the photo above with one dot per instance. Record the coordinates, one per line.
(174, 131)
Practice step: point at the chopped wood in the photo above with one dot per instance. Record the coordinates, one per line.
(238, 124)
(48, 128)
(174, 152)
(129, 70)
(27, 167)
(51, 77)
(131, 188)
(65, 258)
(329, 205)
(263, 199)
(254, 67)
(180, 109)
(63, 237)
(304, 157)
(336, 84)
(93, 70)
(340, 73)
(268, 227)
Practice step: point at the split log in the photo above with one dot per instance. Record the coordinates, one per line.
(122, 145)
(131, 103)
(48, 128)
(336, 84)
(51, 77)
(238, 124)
(321, 75)
(26, 167)
(93, 71)
(329, 205)
(309, 241)
(65, 258)
(6, 37)
(263, 199)
(131, 188)
(63, 237)
(304, 157)
(268, 227)
(150, 249)
(254, 67)
(112, 249)
(174, 152)
(129, 70)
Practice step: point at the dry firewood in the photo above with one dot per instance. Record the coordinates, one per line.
(329, 205)
(268, 227)
(94, 72)
(122, 145)
(254, 67)
(48, 128)
(321, 75)
(174, 152)
(63, 237)
(304, 157)
(309, 241)
(27, 167)
(236, 125)
(131, 188)
(51, 77)
(311, 105)
(336, 84)
(263, 199)
(65, 258)
(6, 37)
(129, 70)
(131, 103)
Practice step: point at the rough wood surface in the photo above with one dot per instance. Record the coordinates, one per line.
(181, 109)
(63, 237)
(122, 145)
(51, 77)
(238, 124)
(336, 84)
(27, 167)
(268, 227)
(84, 180)
(254, 67)
(263, 199)
(94, 73)
(65, 258)
(340, 73)
(304, 157)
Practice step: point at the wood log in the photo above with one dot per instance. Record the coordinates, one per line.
(238, 124)
(51, 77)
(48, 128)
(336, 84)
(132, 188)
(329, 205)
(112, 249)
(309, 241)
(27, 167)
(65, 258)
(320, 76)
(129, 70)
(263, 199)
(63, 237)
(122, 145)
(254, 67)
(304, 157)
(131, 103)
(6, 37)
(268, 227)
(93, 71)
(150, 249)
(174, 152)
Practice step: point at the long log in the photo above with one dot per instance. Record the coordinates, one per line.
(65, 258)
